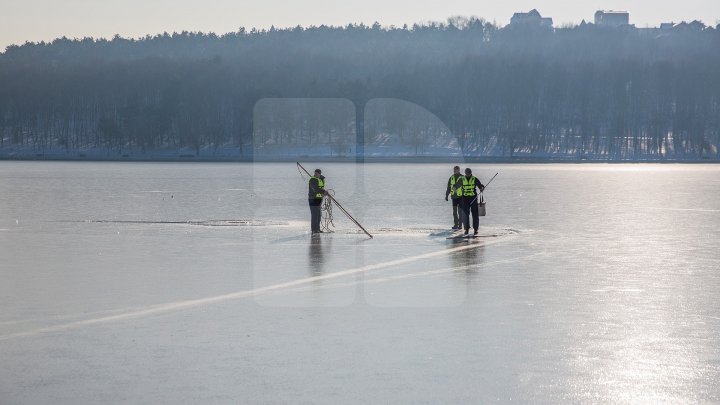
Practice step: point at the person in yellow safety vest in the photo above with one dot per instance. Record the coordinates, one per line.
(456, 194)
(316, 192)
(470, 185)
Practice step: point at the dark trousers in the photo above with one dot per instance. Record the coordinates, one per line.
(315, 215)
(470, 205)
(457, 213)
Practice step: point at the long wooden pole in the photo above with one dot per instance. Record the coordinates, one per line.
(339, 206)
(493, 178)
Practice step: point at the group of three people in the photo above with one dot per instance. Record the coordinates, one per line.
(462, 189)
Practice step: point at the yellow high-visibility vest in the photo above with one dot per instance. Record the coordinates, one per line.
(321, 185)
(458, 191)
(468, 186)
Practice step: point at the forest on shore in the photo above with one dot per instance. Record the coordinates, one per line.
(576, 92)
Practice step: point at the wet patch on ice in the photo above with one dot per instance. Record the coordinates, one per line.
(388, 230)
(240, 222)
(430, 233)
(410, 231)
(484, 232)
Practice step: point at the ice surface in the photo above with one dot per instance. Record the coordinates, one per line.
(590, 284)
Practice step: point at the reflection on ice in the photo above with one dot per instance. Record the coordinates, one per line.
(316, 254)
(469, 260)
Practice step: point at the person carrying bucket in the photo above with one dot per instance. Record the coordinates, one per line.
(471, 189)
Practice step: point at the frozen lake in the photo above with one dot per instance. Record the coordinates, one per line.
(199, 283)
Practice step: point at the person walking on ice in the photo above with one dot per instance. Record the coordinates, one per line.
(316, 192)
(470, 186)
(456, 194)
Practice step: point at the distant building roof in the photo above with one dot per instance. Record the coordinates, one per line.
(694, 26)
(531, 17)
(698, 25)
(612, 18)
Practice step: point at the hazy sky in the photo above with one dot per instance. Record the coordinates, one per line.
(35, 20)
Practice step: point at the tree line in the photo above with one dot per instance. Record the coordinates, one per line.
(573, 92)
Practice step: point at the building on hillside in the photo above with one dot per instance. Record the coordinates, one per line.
(667, 26)
(697, 25)
(612, 18)
(692, 26)
(531, 18)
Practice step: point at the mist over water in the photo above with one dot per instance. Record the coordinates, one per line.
(139, 282)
